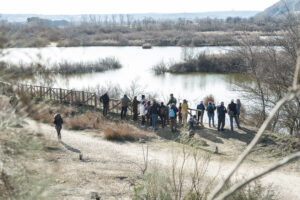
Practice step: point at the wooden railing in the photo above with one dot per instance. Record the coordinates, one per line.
(60, 95)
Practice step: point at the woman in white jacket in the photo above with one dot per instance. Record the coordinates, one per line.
(143, 110)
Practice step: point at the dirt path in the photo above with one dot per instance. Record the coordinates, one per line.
(110, 168)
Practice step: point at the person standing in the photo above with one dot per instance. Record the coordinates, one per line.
(184, 112)
(211, 114)
(125, 102)
(58, 121)
(180, 114)
(221, 112)
(135, 104)
(154, 110)
(172, 100)
(238, 109)
(232, 114)
(148, 113)
(163, 113)
(173, 114)
(143, 110)
(105, 100)
(201, 109)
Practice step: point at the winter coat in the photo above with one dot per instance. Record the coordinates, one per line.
(143, 107)
(232, 109)
(125, 101)
(172, 100)
(58, 121)
(184, 108)
(221, 110)
(238, 109)
(154, 109)
(200, 107)
(104, 99)
(135, 103)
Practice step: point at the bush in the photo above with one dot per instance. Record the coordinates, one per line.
(122, 132)
(160, 68)
(100, 65)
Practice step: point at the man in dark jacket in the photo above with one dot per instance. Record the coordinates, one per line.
(154, 110)
(58, 121)
(232, 114)
(221, 111)
(172, 100)
(135, 104)
(124, 102)
(105, 100)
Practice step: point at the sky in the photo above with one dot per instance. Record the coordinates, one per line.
(128, 6)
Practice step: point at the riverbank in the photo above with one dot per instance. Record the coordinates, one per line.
(104, 166)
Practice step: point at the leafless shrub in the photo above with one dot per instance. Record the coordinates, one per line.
(123, 132)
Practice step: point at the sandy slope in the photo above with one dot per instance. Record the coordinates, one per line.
(110, 168)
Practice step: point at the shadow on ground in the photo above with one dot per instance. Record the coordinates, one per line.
(72, 149)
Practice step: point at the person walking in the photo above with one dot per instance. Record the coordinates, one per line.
(154, 110)
(211, 114)
(201, 109)
(172, 100)
(105, 100)
(184, 112)
(135, 104)
(221, 112)
(124, 102)
(173, 114)
(143, 110)
(232, 114)
(58, 121)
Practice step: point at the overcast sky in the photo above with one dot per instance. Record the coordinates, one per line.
(127, 6)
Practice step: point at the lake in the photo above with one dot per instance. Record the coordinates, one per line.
(137, 64)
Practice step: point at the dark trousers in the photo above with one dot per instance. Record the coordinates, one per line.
(123, 112)
(198, 115)
(221, 123)
(105, 109)
(163, 120)
(135, 115)
(58, 129)
(173, 123)
(143, 120)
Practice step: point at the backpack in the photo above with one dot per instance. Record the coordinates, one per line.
(172, 113)
(210, 109)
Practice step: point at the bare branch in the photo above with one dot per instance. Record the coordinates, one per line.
(260, 132)
(236, 187)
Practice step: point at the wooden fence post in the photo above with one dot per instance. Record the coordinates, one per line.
(60, 95)
(95, 100)
(71, 96)
(83, 97)
(40, 92)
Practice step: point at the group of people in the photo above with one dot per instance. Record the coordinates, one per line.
(151, 111)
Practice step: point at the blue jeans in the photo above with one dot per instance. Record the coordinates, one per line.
(236, 121)
(211, 117)
(154, 121)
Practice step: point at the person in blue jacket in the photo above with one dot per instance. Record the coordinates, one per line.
(201, 109)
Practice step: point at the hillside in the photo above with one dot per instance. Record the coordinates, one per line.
(281, 8)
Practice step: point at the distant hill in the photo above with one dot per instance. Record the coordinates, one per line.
(22, 18)
(281, 8)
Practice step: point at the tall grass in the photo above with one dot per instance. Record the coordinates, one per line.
(67, 67)
(123, 132)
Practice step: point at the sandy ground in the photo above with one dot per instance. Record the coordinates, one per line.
(111, 168)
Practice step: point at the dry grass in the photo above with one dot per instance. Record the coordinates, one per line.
(123, 132)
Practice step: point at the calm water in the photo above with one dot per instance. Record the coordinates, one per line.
(137, 64)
